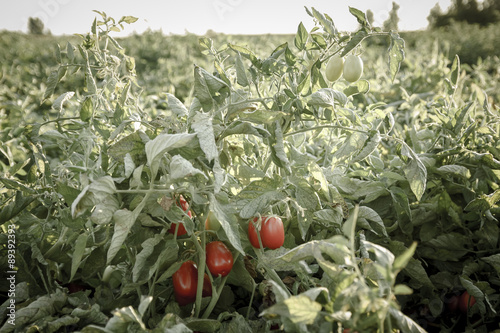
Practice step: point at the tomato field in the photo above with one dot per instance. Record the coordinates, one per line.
(327, 181)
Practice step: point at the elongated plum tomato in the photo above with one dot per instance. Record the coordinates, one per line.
(272, 233)
(185, 282)
(353, 68)
(219, 258)
(185, 206)
(466, 301)
(334, 68)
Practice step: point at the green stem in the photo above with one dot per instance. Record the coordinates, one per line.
(352, 245)
(200, 248)
(323, 127)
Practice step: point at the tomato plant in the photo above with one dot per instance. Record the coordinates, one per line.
(219, 258)
(271, 231)
(353, 68)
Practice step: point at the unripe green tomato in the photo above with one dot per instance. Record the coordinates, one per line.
(353, 68)
(212, 223)
(334, 68)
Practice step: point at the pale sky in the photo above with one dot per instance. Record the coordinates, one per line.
(198, 16)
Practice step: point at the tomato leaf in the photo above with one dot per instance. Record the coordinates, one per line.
(228, 222)
(80, 244)
(396, 54)
(124, 220)
(301, 37)
(241, 75)
(325, 21)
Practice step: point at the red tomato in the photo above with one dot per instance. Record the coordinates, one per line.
(185, 206)
(466, 302)
(272, 233)
(185, 281)
(219, 258)
(181, 231)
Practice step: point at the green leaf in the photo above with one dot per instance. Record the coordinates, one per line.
(415, 172)
(367, 213)
(80, 244)
(369, 147)
(202, 125)
(396, 54)
(58, 103)
(455, 70)
(354, 41)
(51, 84)
(402, 260)
(277, 146)
(326, 97)
(384, 257)
(405, 323)
(228, 222)
(144, 267)
(206, 86)
(301, 37)
(358, 87)
(164, 143)
(180, 168)
(402, 206)
(247, 54)
(359, 15)
(128, 19)
(290, 58)
(299, 309)
(87, 109)
(241, 75)
(493, 260)
(132, 144)
(124, 220)
(176, 106)
(325, 22)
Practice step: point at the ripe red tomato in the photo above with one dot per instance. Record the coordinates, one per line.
(185, 206)
(181, 231)
(185, 282)
(272, 233)
(466, 301)
(219, 258)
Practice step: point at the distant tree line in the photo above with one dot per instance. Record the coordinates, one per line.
(469, 11)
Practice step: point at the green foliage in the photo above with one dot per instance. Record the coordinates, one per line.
(388, 187)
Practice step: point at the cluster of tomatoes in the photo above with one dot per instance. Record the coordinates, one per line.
(351, 68)
(219, 259)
